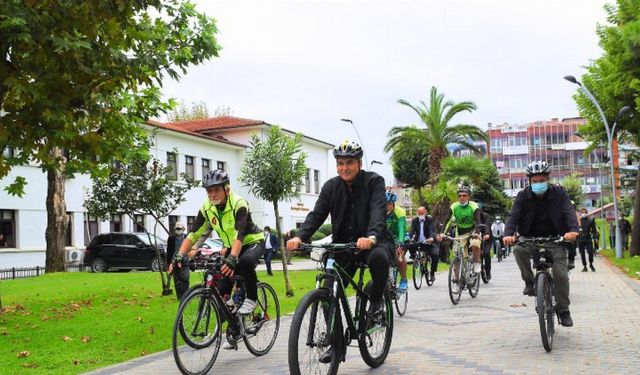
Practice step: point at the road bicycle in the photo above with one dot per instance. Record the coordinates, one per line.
(461, 273)
(318, 340)
(421, 264)
(204, 316)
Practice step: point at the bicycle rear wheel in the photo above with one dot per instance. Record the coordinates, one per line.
(455, 280)
(474, 286)
(417, 272)
(309, 338)
(196, 333)
(483, 272)
(400, 299)
(262, 326)
(426, 268)
(545, 309)
(374, 343)
(499, 253)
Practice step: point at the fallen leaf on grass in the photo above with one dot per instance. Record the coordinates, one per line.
(66, 338)
(139, 318)
(76, 362)
(518, 305)
(45, 318)
(150, 296)
(151, 330)
(85, 339)
(143, 353)
(30, 365)
(23, 354)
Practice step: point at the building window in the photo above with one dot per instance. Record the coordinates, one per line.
(173, 164)
(316, 181)
(172, 222)
(7, 228)
(115, 225)
(188, 166)
(222, 165)
(190, 221)
(90, 228)
(307, 181)
(69, 233)
(206, 167)
(138, 225)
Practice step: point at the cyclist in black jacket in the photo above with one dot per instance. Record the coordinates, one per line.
(355, 199)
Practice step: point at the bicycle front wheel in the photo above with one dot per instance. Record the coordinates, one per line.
(196, 333)
(401, 299)
(474, 286)
(417, 272)
(546, 313)
(262, 326)
(375, 340)
(426, 267)
(455, 280)
(313, 350)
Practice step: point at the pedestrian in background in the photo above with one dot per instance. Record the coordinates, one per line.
(271, 247)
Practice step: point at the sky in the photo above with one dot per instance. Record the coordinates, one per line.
(304, 65)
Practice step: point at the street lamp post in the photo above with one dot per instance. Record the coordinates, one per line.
(610, 135)
(602, 238)
(374, 162)
(359, 139)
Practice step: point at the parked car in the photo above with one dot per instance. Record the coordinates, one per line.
(124, 251)
(210, 245)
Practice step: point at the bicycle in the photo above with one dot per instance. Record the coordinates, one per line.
(203, 316)
(498, 249)
(461, 273)
(421, 266)
(317, 342)
(544, 288)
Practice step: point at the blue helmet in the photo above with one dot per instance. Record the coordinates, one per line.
(390, 196)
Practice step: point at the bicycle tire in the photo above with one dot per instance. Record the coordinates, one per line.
(417, 273)
(267, 307)
(376, 360)
(475, 286)
(483, 273)
(314, 301)
(188, 353)
(426, 270)
(455, 295)
(499, 253)
(544, 307)
(400, 299)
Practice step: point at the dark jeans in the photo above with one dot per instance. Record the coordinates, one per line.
(181, 280)
(571, 251)
(268, 255)
(432, 252)
(247, 262)
(445, 247)
(378, 259)
(486, 254)
(587, 245)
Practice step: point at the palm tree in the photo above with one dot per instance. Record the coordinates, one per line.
(437, 133)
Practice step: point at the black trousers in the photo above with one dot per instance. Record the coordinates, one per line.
(378, 259)
(571, 251)
(432, 251)
(486, 254)
(587, 245)
(247, 262)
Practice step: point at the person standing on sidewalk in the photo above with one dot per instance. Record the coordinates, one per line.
(181, 276)
(588, 235)
(271, 248)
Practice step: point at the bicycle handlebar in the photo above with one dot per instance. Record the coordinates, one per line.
(547, 239)
(333, 247)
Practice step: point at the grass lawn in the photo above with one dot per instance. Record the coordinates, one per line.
(629, 265)
(75, 322)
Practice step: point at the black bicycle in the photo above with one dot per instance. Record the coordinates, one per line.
(204, 315)
(544, 287)
(317, 340)
(421, 265)
(461, 274)
(499, 249)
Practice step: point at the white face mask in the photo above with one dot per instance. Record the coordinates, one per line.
(421, 217)
(179, 231)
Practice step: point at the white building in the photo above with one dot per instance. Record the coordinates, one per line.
(192, 147)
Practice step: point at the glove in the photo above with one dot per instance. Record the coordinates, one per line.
(231, 261)
(179, 258)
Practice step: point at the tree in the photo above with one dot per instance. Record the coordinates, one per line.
(487, 185)
(140, 187)
(273, 169)
(573, 186)
(410, 166)
(614, 79)
(438, 132)
(198, 110)
(79, 79)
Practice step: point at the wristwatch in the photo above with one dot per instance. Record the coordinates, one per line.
(373, 239)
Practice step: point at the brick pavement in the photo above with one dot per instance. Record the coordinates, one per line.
(485, 335)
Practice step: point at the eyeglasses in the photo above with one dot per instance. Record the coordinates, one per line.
(463, 195)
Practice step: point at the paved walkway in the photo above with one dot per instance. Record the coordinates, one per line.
(491, 334)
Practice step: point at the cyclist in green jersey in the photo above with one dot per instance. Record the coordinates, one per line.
(397, 224)
(467, 216)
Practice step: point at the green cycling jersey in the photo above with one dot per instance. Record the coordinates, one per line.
(464, 217)
(397, 223)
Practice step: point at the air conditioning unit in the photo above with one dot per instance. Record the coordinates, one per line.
(75, 256)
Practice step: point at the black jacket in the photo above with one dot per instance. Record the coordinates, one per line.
(429, 231)
(588, 230)
(562, 213)
(370, 206)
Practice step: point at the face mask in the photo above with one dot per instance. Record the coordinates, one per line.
(583, 215)
(464, 204)
(421, 217)
(178, 231)
(539, 188)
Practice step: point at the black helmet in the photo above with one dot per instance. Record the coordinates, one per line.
(348, 149)
(538, 167)
(216, 177)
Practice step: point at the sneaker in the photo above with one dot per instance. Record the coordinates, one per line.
(402, 288)
(488, 275)
(433, 276)
(528, 290)
(584, 269)
(477, 267)
(593, 269)
(326, 356)
(247, 307)
(565, 318)
(376, 308)
(229, 346)
(572, 265)
(229, 302)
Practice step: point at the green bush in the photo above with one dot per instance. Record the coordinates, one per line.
(325, 228)
(318, 236)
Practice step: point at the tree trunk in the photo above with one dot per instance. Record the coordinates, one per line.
(57, 218)
(285, 270)
(439, 210)
(164, 277)
(635, 226)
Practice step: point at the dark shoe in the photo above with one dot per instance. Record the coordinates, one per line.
(326, 356)
(584, 269)
(528, 290)
(593, 269)
(488, 275)
(572, 265)
(376, 308)
(565, 318)
(270, 273)
(289, 263)
(433, 276)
